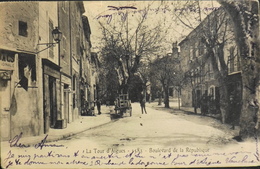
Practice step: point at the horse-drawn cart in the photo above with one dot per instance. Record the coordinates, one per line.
(123, 105)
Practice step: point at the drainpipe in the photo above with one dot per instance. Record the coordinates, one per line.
(70, 37)
(59, 46)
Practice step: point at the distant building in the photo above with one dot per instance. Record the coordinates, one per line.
(65, 62)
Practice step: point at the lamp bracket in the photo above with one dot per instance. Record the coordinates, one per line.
(47, 44)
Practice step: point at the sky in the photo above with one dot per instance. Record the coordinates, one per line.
(101, 11)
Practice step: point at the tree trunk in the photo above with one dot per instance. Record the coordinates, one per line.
(246, 32)
(194, 100)
(179, 103)
(224, 99)
(160, 99)
(166, 96)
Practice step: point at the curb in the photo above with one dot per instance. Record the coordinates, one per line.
(75, 133)
(53, 138)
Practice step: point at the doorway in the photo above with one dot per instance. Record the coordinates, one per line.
(5, 93)
(53, 101)
(66, 102)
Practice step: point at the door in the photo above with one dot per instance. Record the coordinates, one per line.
(53, 103)
(46, 108)
(5, 94)
(66, 102)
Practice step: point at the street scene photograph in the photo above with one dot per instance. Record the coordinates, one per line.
(130, 84)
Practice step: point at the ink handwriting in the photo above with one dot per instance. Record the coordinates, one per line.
(121, 7)
(134, 158)
(14, 142)
(123, 12)
(43, 144)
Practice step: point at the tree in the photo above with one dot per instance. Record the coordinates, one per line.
(214, 34)
(108, 81)
(164, 70)
(143, 73)
(130, 42)
(245, 18)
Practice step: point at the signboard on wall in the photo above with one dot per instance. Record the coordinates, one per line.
(7, 59)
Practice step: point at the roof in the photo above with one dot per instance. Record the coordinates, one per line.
(81, 6)
(197, 27)
(86, 25)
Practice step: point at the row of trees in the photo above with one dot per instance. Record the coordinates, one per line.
(132, 52)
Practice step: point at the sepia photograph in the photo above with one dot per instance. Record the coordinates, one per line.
(130, 84)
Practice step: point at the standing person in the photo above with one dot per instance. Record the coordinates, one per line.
(98, 102)
(235, 106)
(142, 103)
(204, 104)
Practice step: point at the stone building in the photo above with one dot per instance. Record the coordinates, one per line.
(65, 62)
(205, 65)
(48, 20)
(88, 73)
(76, 9)
(20, 69)
(41, 79)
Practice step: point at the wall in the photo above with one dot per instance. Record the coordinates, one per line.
(76, 11)
(65, 60)
(26, 107)
(47, 12)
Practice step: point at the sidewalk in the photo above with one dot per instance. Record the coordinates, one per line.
(189, 114)
(81, 124)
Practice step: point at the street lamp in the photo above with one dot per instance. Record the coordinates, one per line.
(57, 36)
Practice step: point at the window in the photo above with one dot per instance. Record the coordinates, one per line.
(201, 48)
(233, 60)
(27, 70)
(212, 92)
(193, 52)
(23, 29)
(74, 91)
(78, 46)
(51, 54)
(63, 47)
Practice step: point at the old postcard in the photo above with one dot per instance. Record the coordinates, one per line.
(129, 84)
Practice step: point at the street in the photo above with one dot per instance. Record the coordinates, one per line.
(156, 128)
(162, 137)
(76, 76)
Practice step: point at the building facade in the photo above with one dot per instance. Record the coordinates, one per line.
(208, 54)
(41, 80)
(20, 91)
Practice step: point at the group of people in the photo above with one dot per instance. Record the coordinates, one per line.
(142, 104)
(207, 105)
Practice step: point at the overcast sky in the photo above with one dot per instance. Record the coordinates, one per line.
(96, 10)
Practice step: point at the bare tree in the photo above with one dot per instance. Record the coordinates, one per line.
(245, 18)
(129, 43)
(213, 34)
(164, 69)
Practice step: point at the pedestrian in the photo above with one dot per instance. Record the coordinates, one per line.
(234, 108)
(98, 102)
(204, 104)
(142, 104)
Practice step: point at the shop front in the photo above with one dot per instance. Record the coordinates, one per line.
(7, 62)
(51, 95)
